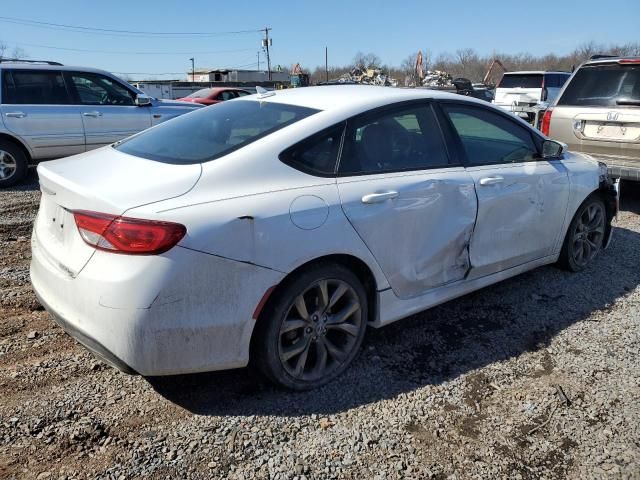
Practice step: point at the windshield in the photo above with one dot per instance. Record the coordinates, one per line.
(522, 80)
(608, 85)
(212, 132)
(204, 93)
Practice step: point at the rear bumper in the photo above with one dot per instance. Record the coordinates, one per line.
(620, 167)
(87, 341)
(180, 312)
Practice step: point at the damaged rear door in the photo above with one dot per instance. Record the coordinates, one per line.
(411, 206)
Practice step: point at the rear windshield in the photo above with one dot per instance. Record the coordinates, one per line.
(212, 132)
(523, 80)
(200, 93)
(606, 85)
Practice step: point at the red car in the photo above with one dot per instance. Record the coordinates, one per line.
(210, 96)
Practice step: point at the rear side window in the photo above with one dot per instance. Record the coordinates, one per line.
(490, 138)
(316, 155)
(408, 138)
(522, 80)
(212, 132)
(33, 87)
(608, 85)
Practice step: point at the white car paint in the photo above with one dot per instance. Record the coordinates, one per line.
(252, 220)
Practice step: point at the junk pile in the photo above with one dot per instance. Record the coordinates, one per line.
(368, 76)
(437, 78)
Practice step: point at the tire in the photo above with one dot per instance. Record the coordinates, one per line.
(296, 344)
(585, 236)
(13, 164)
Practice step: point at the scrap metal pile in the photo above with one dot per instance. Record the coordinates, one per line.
(437, 78)
(368, 76)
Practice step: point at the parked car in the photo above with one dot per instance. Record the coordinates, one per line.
(211, 96)
(526, 94)
(598, 112)
(529, 87)
(276, 228)
(49, 111)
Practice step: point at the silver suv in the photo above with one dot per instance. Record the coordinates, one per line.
(598, 112)
(49, 111)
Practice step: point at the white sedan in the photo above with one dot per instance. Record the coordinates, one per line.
(275, 228)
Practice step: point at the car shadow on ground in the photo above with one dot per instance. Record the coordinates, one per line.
(28, 183)
(494, 324)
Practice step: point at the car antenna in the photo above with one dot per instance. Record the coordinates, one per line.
(264, 93)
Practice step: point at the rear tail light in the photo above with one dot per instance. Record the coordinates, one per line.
(132, 236)
(629, 61)
(546, 121)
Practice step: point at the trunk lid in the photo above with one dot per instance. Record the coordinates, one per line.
(613, 132)
(106, 181)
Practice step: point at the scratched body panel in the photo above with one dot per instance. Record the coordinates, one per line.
(417, 239)
(518, 218)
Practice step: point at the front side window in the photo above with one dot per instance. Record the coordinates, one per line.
(226, 95)
(608, 85)
(93, 89)
(489, 137)
(32, 87)
(210, 133)
(405, 139)
(316, 155)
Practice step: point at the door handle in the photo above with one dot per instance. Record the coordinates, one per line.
(379, 197)
(15, 114)
(92, 114)
(491, 180)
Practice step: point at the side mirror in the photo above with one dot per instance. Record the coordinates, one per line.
(142, 100)
(552, 149)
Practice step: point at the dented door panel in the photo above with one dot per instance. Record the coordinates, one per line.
(519, 217)
(420, 237)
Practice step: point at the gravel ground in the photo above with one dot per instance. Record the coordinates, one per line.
(536, 377)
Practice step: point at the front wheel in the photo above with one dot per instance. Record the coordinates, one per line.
(313, 329)
(585, 237)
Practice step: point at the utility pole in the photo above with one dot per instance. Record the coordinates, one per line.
(193, 69)
(266, 43)
(326, 63)
(258, 60)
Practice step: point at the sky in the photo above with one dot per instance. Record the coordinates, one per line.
(301, 30)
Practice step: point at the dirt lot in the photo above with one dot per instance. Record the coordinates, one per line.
(536, 377)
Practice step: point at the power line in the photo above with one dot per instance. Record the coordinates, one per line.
(82, 50)
(109, 31)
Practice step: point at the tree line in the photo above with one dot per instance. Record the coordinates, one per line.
(470, 64)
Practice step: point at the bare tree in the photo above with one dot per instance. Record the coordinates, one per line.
(367, 60)
(16, 52)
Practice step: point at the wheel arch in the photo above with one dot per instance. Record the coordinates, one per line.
(353, 263)
(20, 144)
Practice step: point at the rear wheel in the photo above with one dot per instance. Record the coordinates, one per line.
(313, 329)
(13, 164)
(585, 236)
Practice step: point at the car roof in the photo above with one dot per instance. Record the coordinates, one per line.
(44, 66)
(535, 72)
(605, 59)
(351, 97)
